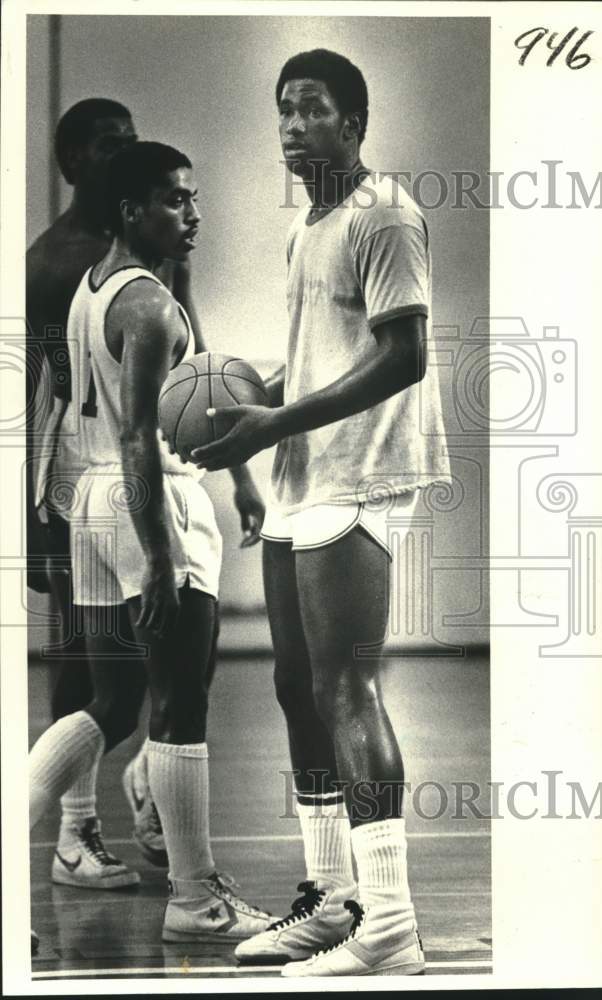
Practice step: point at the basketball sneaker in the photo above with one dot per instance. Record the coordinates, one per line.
(83, 860)
(35, 942)
(210, 909)
(317, 919)
(148, 832)
(373, 947)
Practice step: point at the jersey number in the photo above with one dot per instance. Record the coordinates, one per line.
(89, 408)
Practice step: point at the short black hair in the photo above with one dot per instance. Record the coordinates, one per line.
(344, 80)
(76, 127)
(133, 173)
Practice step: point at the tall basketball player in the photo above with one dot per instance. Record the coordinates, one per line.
(145, 548)
(358, 294)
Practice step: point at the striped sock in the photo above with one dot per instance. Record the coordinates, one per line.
(61, 755)
(179, 782)
(326, 838)
(380, 851)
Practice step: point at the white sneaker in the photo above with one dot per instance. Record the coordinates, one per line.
(317, 919)
(86, 863)
(210, 909)
(148, 832)
(365, 952)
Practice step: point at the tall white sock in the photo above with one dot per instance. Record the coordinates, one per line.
(179, 783)
(61, 755)
(79, 802)
(326, 838)
(380, 851)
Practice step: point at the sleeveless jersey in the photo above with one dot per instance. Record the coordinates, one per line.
(94, 414)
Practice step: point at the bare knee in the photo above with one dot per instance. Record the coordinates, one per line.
(116, 718)
(343, 696)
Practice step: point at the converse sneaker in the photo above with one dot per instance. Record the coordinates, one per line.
(148, 832)
(317, 919)
(209, 909)
(370, 949)
(85, 862)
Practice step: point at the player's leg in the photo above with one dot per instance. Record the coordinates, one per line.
(344, 597)
(318, 918)
(74, 690)
(119, 685)
(178, 666)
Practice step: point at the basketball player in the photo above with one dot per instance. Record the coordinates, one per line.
(359, 298)
(88, 135)
(145, 547)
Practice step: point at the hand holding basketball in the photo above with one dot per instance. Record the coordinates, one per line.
(253, 429)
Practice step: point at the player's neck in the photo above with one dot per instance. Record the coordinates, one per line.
(332, 185)
(124, 253)
(86, 214)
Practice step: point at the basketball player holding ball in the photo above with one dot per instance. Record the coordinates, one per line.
(359, 297)
(153, 572)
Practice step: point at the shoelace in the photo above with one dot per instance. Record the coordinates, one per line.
(92, 841)
(357, 911)
(227, 885)
(302, 907)
(155, 820)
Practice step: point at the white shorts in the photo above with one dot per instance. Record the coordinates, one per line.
(320, 525)
(108, 562)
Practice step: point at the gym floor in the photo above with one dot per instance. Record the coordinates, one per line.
(440, 710)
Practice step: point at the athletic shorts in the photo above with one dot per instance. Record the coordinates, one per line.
(108, 562)
(321, 525)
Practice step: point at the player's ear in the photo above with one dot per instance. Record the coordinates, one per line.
(130, 210)
(72, 158)
(352, 127)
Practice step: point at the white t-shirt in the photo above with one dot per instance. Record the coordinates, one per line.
(364, 262)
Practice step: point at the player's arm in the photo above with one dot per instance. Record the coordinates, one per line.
(36, 368)
(148, 320)
(399, 363)
(182, 291)
(247, 498)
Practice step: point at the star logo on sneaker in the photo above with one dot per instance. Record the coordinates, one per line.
(214, 913)
(69, 865)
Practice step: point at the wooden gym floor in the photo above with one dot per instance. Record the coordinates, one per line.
(440, 710)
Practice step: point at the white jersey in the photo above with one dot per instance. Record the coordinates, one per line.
(107, 558)
(95, 410)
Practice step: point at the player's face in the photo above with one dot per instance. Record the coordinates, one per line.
(109, 136)
(169, 221)
(311, 126)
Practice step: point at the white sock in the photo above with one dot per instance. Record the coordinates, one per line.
(140, 771)
(326, 839)
(61, 755)
(179, 783)
(79, 802)
(380, 852)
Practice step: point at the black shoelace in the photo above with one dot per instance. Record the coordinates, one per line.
(92, 839)
(357, 913)
(302, 907)
(155, 820)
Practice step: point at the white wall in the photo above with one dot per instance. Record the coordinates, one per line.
(206, 85)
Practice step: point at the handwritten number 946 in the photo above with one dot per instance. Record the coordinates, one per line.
(529, 39)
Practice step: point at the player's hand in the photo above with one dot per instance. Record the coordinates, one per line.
(37, 554)
(251, 429)
(251, 508)
(160, 602)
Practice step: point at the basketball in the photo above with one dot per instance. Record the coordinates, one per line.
(203, 381)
